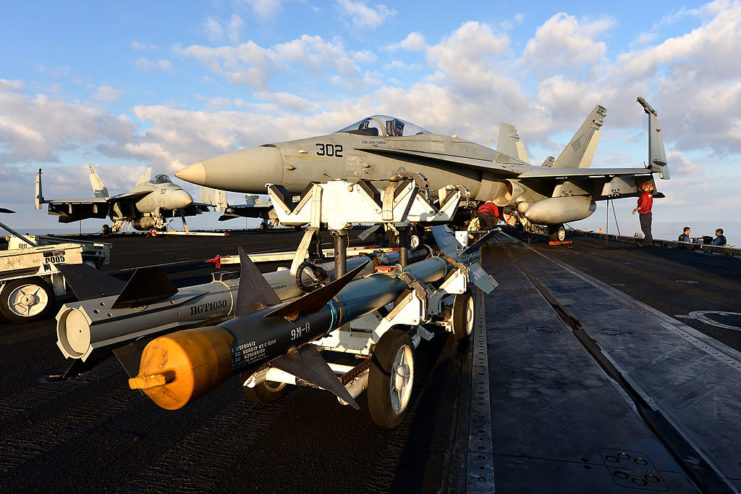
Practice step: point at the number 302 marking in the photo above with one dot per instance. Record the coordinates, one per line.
(329, 150)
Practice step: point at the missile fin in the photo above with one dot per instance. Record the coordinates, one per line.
(308, 364)
(477, 244)
(314, 301)
(147, 285)
(87, 282)
(254, 292)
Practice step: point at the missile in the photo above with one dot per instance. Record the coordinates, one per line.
(111, 313)
(182, 366)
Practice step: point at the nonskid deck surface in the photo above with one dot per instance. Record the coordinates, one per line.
(557, 421)
(593, 391)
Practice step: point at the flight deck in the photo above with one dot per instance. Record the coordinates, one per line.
(587, 372)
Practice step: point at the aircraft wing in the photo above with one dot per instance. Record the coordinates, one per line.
(130, 196)
(70, 210)
(547, 172)
(245, 211)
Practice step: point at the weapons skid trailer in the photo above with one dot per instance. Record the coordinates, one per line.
(31, 274)
(381, 318)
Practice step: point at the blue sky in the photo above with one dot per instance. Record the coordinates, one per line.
(126, 85)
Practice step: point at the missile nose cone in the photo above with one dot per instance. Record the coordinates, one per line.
(246, 170)
(195, 173)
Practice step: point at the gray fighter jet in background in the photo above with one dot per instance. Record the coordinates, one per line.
(380, 147)
(145, 207)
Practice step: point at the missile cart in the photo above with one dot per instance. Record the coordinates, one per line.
(30, 279)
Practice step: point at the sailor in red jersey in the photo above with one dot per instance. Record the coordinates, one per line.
(645, 203)
(488, 215)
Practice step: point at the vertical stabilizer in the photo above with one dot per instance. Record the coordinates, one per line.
(99, 188)
(656, 153)
(145, 177)
(39, 197)
(580, 150)
(509, 143)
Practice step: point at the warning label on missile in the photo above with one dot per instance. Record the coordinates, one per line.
(250, 353)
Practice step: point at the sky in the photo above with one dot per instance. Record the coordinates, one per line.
(131, 84)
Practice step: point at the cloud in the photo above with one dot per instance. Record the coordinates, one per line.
(146, 64)
(38, 127)
(107, 93)
(265, 9)
(563, 42)
(254, 65)
(229, 30)
(363, 16)
(137, 45)
(12, 85)
(413, 42)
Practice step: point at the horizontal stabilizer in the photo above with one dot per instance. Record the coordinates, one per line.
(308, 364)
(147, 285)
(3, 210)
(313, 301)
(509, 143)
(87, 282)
(254, 292)
(580, 150)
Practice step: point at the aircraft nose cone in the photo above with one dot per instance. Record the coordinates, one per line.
(246, 170)
(181, 199)
(195, 173)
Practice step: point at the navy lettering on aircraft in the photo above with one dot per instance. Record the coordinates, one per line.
(329, 150)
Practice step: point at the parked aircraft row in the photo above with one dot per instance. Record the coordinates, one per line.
(381, 147)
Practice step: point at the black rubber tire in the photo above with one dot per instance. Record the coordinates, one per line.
(11, 286)
(463, 316)
(106, 230)
(266, 392)
(380, 380)
(556, 233)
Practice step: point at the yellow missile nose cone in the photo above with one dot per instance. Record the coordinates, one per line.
(195, 173)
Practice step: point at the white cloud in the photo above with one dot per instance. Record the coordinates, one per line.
(254, 65)
(12, 85)
(137, 45)
(228, 30)
(107, 93)
(564, 42)
(413, 42)
(146, 64)
(39, 127)
(265, 9)
(362, 15)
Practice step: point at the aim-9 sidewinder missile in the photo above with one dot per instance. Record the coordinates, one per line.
(179, 367)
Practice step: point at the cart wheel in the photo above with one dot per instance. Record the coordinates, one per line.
(266, 392)
(26, 299)
(391, 379)
(556, 233)
(463, 316)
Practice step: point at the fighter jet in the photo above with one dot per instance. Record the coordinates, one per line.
(145, 207)
(381, 147)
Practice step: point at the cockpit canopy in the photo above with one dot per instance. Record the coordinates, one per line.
(161, 179)
(384, 126)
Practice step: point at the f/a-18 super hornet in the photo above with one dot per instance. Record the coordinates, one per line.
(145, 207)
(380, 147)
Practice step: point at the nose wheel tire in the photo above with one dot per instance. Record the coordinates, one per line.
(463, 316)
(26, 300)
(391, 379)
